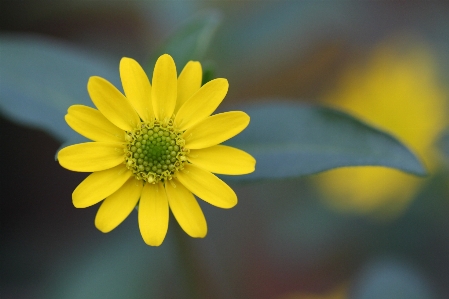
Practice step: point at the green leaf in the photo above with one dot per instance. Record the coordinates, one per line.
(191, 41)
(41, 78)
(290, 140)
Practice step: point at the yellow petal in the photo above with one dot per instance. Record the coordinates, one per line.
(91, 156)
(112, 103)
(153, 214)
(216, 129)
(207, 186)
(117, 206)
(189, 81)
(90, 123)
(99, 185)
(137, 87)
(164, 91)
(223, 160)
(186, 209)
(202, 104)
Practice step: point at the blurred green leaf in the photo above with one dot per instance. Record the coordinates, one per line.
(208, 72)
(190, 42)
(390, 278)
(290, 140)
(118, 266)
(41, 78)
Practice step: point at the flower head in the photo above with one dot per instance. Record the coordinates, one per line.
(154, 147)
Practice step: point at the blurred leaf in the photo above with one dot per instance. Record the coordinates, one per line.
(389, 278)
(113, 267)
(41, 78)
(290, 140)
(208, 72)
(190, 42)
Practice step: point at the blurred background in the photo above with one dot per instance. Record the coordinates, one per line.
(364, 232)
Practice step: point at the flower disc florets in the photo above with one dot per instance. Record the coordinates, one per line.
(155, 151)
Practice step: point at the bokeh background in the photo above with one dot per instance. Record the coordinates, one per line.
(347, 233)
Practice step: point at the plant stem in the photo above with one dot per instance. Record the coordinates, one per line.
(197, 283)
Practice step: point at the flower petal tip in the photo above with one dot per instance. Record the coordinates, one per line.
(154, 243)
(166, 58)
(201, 235)
(102, 228)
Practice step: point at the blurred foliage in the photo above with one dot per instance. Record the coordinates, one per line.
(289, 140)
(41, 78)
(191, 41)
(443, 144)
(390, 278)
(396, 89)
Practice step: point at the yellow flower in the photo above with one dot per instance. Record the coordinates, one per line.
(153, 147)
(396, 90)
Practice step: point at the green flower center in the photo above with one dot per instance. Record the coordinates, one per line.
(155, 151)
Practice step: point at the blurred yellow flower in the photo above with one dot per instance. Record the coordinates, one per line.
(398, 91)
(155, 146)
